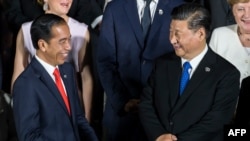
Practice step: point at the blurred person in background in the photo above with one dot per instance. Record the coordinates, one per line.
(233, 42)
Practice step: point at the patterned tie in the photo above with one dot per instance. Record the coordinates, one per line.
(146, 19)
(61, 88)
(184, 76)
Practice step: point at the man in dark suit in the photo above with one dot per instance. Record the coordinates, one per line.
(208, 101)
(87, 11)
(242, 116)
(41, 112)
(18, 12)
(124, 61)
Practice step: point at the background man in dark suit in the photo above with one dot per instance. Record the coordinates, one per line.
(124, 61)
(39, 109)
(209, 98)
(242, 113)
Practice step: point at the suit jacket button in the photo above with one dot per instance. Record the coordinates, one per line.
(171, 123)
(144, 62)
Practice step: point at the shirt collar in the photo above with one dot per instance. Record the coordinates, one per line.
(196, 60)
(49, 68)
(142, 1)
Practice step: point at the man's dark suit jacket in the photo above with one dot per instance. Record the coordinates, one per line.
(39, 111)
(124, 59)
(206, 105)
(93, 9)
(82, 10)
(242, 113)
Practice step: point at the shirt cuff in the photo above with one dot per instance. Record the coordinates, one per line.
(96, 21)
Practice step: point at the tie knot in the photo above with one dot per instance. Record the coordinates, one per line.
(56, 72)
(147, 2)
(186, 66)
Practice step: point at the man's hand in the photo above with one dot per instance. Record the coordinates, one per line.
(167, 137)
(132, 106)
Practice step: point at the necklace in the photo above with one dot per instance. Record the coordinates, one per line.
(242, 36)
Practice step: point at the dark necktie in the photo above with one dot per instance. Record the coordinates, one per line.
(61, 88)
(146, 19)
(185, 76)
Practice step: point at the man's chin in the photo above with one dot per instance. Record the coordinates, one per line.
(61, 61)
(179, 53)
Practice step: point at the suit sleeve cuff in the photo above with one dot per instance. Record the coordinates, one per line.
(96, 21)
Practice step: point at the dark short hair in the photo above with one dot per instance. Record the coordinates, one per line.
(41, 27)
(197, 16)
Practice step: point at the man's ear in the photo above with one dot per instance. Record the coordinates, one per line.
(201, 33)
(42, 44)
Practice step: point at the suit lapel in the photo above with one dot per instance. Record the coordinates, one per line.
(161, 13)
(48, 81)
(68, 86)
(132, 14)
(202, 71)
(174, 69)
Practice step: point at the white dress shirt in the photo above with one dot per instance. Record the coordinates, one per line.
(141, 5)
(195, 61)
(50, 69)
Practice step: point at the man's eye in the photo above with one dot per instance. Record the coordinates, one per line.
(240, 9)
